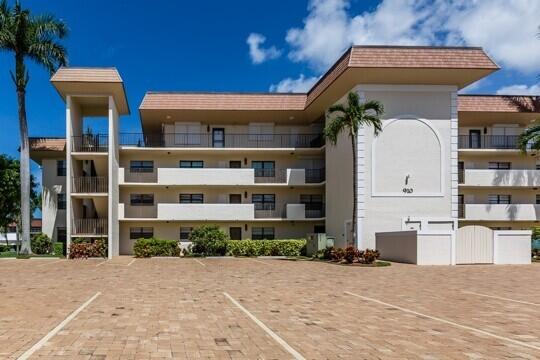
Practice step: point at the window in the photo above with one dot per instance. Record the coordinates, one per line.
(60, 167)
(262, 233)
(185, 232)
(235, 164)
(191, 164)
(537, 199)
(141, 166)
(61, 234)
(191, 198)
(264, 168)
(235, 198)
(12, 229)
(501, 228)
(314, 205)
(142, 199)
(61, 201)
(264, 201)
(499, 199)
(235, 233)
(218, 137)
(319, 229)
(141, 233)
(499, 165)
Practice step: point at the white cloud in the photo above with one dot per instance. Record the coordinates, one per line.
(519, 90)
(506, 29)
(259, 54)
(299, 85)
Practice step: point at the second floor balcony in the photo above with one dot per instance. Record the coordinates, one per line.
(211, 140)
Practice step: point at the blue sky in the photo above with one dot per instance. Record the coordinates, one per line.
(203, 45)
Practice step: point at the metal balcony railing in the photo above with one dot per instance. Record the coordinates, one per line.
(461, 176)
(90, 143)
(207, 140)
(141, 175)
(314, 176)
(461, 211)
(275, 176)
(90, 184)
(488, 142)
(90, 226)
(315, 213)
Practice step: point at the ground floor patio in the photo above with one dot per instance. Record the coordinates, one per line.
(240, 308)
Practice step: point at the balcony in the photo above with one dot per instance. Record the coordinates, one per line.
(87, 227)
(90, 184)
(221, 176)
(501, 212)
(210, 212)
(206, 140)
(503, 178)
(501, 142)
(90, 143)
(300, 212)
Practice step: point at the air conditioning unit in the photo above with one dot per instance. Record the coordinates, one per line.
(316, 242)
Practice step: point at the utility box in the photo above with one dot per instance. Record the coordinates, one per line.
(316, 242)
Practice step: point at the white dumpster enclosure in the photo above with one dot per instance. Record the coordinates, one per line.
(473, 244)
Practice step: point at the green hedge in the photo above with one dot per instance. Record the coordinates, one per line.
(155, 247)
(41, 244)
(58, 248)
(266, 247)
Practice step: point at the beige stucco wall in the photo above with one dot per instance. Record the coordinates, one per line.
(51, 186)
(171, 230)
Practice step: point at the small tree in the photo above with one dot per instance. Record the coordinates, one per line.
(209, 240)
(351, 118)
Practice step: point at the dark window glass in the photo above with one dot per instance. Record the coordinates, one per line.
(12, 229)
(185, 232)
(144, 166)
(264, 201)
(191, 164)
(61, 201)
(235, 164)
(141, 233)
(537, 199)
(499, 199)
(235, 198)
(264, 168)
(142, 199)
(262, 233)
(493, 165)
(60, 167)
(191, 198)
(312, 202)
(235, 233)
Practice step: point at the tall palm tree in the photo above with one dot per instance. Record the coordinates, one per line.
(530, 138)
(35, 38)
(350, 118)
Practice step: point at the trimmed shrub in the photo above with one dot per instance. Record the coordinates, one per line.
(368, 256)
(82, 248)
(41, 244)
(351, 254)
(265, 247)
(208, 240)
(155, 247)
(58, 248)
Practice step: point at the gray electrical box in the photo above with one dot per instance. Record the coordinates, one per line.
(316, 242)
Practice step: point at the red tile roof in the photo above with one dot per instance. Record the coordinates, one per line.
(498, 103)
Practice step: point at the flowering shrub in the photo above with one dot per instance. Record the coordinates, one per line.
(83, 249)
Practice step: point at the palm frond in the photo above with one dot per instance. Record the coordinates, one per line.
(337, 108)
(529, 137)
(334, 128)
(49, 54)
(47, 27)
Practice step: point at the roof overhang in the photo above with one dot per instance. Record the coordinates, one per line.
(91, 84)
(456, 66)
(47, 148)
(483, 110)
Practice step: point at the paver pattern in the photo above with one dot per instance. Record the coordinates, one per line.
(176, 308)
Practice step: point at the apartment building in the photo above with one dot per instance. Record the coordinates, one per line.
(258, 166)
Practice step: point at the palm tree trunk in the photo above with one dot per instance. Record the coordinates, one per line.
(355, 190)
(20, 75)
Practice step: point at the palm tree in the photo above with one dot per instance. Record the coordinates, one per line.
(35, 38)
(530, 138)
(351, 118)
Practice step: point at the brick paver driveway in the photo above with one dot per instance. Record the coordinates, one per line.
(265, 309)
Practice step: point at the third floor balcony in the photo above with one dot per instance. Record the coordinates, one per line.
(477, 141)
(221, 140)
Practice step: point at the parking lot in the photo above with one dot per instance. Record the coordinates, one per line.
(265, 309)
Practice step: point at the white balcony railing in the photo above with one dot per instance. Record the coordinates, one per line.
(488, 177)
(502, 212)
(212, 212)
(221, 176)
